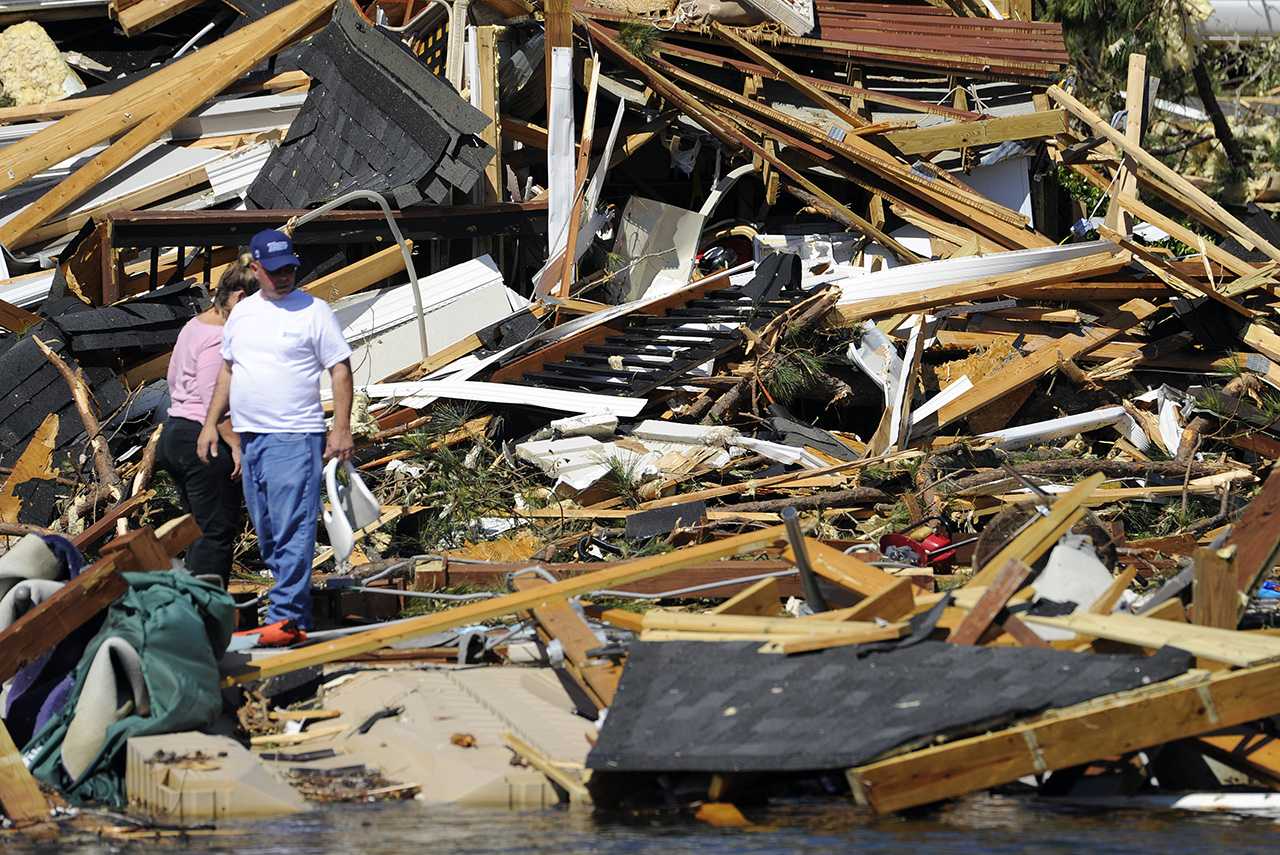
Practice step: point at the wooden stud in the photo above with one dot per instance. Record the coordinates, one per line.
(1105, 604)
(1115, 725)
(1039, 537)
(356, 277)
(991, 603)
(761, 599)
(560, 621)
(1215, 597)
(20, 795)
(40, 629)
(1221, 645)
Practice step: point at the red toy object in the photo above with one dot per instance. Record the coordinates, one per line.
(922, 546)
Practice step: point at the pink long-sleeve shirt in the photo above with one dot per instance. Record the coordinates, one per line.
(193, 370)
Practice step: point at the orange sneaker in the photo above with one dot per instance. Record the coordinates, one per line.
(282, 633)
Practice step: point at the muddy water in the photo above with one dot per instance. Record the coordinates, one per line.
(975, 825)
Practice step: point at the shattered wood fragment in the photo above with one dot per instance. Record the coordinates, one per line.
(74, 604)
(597, 677)
(1215, 600)
(1256, 537)
(103, 463)
(762, 599)
(34, 462)
(991, 603)
(20, 795)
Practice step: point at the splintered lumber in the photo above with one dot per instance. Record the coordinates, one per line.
(761, 599)
(1149, 214)
(1105, 604)
(124, 109)
(1215, 599)
(1241, 649)
(1028, 369)
(560, 621)
(1039, 537)
(1113, 726)
(40, 629)
(356, 277)
(958, 135)
(563, 778)
(1256, 537)
(1230, 224)
(707, 119)
(183, 98)
(1096, 264)
(34, 462)
(884, 596)
(1162, 267)
(813, 93)
(991, 603)
(145, 14)
(620, 574)
(20, 795)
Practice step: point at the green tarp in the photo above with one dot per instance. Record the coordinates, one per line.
(180, 627)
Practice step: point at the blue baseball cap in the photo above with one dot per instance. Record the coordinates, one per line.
(273, 249)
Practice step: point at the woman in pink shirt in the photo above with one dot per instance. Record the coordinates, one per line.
(208, 490)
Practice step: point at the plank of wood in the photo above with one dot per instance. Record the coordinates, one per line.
(846, 571)
(1149, 214)
(1221, 645)
(788, 645)
(893, 603)
(957, 135)
(40, 629)
(1126, 183)
(813, 93)
(661, 619)
(178, 533)
(619, 574)
(20, 795)
(1036, 539)
(1256, 537)
(124, 109)
(1215, 597)
(34, 462)
(48, 110)
(1105, 604)
(145, 14)
(1230, 225)
(1006, 583)
(598, 678)
(183, 98)
(356, 277)
(106, 523)
(762, 599)
(1017, 629)
(138, 550)
(1164, 268)
(1028, 369)
(571, 783)
(1116, 725)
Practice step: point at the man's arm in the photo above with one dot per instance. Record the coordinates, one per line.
(340, 444)
(207, 443)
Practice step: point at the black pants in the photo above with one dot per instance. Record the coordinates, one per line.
(207, 492)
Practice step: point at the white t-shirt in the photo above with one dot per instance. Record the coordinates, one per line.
(278, 350)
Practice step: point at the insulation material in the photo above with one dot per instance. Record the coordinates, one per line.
(32, 70)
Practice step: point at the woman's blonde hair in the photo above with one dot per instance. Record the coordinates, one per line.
(237, 277)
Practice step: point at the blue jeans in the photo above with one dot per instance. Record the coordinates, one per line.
(281, 473)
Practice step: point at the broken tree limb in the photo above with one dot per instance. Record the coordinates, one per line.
(103, 464)
(1110, 468)
(832, 499)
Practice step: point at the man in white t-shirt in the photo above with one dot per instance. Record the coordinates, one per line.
(275, 346)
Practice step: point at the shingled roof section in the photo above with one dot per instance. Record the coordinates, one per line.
(374, 119)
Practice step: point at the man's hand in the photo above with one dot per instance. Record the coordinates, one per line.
(235, 461)
(207, 443)
(340, 444)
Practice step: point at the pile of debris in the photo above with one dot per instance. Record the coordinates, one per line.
(915, 480)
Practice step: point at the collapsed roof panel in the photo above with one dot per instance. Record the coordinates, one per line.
(375, 119)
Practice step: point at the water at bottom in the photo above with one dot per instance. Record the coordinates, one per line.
(978, 824)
